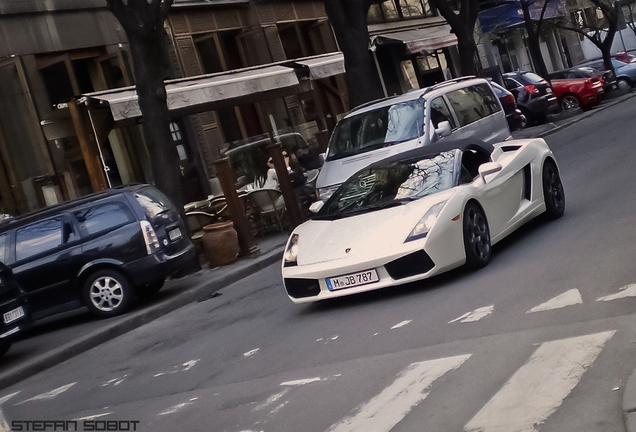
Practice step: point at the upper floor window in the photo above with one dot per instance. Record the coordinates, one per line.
(397, 10)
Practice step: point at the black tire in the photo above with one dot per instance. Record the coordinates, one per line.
(622, 84)
(107, 293)
(530, 120)
(570, 102)
(150, 289)
(476, 236)
(553, 193)
(4, 347)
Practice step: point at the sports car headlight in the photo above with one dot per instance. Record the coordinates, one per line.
(426, 223)
(291, 253)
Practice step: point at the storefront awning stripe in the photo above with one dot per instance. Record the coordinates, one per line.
(427, 39)
(205, 89)
(324, 66)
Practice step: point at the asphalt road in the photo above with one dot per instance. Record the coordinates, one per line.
(543, 339)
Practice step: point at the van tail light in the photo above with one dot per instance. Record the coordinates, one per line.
(150, 237)
(532, 89)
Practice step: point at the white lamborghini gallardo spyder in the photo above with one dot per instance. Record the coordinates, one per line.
(419, 214)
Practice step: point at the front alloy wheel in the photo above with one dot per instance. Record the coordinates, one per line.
(553, 193)
(107, 293)
(476, 236)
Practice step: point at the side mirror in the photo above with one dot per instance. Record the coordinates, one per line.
(443, 129)
(315, 207)
(321, 156)
(489, 168)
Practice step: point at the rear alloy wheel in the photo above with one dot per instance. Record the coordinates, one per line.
(570, 102)
(553, 193)
(107, 293)
(622, 84)
(476, 236)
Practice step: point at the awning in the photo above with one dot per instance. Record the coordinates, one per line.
(189, 92)
(186, 94)
(419, 40)
(510, 14)
(324, 66)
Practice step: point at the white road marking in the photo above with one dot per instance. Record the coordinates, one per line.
(410, 388)
(568, 298)
(300, 382)
(271, 400)
(251, 353)
(175, 408)
(402, 324)
(475, 315)
(186, 367)
(626, 291)
(539, 387)
(49, 395)
(115, 381)
(4, 427)
(7, 397)
(92, 417)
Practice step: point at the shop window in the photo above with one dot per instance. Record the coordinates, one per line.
(395, 10)
(177, 138)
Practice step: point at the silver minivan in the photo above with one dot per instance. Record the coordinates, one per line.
(464, 108)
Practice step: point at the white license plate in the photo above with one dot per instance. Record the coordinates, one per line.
(13, 315)
(352, 280)
(174, 234)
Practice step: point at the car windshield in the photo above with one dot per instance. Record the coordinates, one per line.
(533, 78)
(378, 128)
(391, 184)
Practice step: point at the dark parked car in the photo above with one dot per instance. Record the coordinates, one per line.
(514, 116)
(534, 95)
(99, 251)
(13, 308)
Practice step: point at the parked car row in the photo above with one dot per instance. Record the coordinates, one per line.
(99, 251)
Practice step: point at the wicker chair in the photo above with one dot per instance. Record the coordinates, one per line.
(269, 206)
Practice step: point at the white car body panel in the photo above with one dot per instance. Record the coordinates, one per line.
(329, 249)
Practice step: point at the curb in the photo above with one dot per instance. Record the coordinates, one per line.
(135, 319)
(587, 114)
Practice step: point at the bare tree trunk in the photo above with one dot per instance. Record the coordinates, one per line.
(533, 37)
(349, 21)
(143, 23)
(463, 25)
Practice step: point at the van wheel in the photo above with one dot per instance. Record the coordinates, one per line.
(107, 293)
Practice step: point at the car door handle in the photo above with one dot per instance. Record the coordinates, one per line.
(64, 257)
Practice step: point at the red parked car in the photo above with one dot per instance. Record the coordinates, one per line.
(577, 92)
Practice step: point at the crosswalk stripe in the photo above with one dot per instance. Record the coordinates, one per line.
(568, 298)
(388, 408)
(626, 291)
(538, 388)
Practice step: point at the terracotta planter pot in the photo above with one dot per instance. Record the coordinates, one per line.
(220, 242)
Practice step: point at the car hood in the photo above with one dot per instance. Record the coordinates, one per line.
(361, 235)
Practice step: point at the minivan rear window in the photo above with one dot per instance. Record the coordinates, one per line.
(103, 217)
(153, 201)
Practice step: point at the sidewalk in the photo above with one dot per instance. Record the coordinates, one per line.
(56, 339)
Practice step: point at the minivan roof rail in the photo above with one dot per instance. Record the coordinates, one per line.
(447, 83)
(61, 206)
(426, 90)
